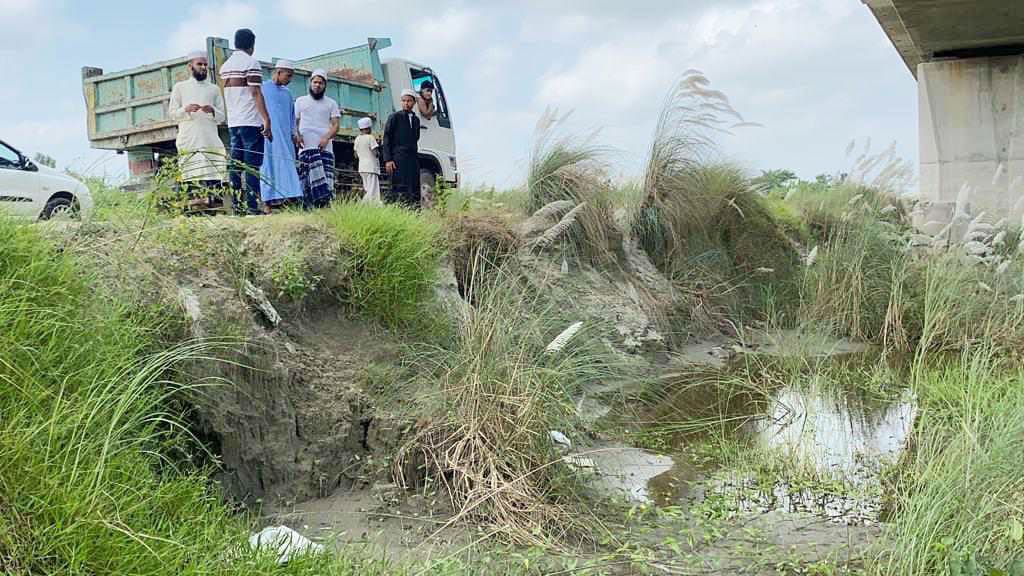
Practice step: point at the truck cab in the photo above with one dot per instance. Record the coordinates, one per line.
(437, 138)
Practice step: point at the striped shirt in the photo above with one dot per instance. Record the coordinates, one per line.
(240, 102)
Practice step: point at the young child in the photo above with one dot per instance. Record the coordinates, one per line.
(369, 168)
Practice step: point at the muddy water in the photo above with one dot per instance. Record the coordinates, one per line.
(832, 434)
(836, 434)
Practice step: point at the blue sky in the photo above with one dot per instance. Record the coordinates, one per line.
(815, 74)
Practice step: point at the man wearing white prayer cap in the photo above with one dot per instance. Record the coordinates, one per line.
(401, 152)
(318, 116)
(198, 107)
(279, 178)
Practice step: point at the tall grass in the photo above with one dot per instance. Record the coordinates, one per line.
(396, 253)
(959, 489)
(566, 167)
(853, 287)
(716, 239)
(492, 395)
(83, 486)
(95, 477)
(701, 221)
(961, 304)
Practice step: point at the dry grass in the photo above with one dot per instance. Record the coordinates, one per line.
(494, 393)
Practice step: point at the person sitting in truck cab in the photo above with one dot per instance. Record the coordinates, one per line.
(197, 106)
(425, 102)
(248, 121)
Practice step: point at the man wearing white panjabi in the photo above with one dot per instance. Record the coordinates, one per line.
(198, 107)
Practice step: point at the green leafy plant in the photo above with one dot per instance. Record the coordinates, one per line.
(291, 277)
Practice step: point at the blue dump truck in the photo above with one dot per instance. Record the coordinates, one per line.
(126, 111)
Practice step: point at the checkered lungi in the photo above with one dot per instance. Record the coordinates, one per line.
(316, 172)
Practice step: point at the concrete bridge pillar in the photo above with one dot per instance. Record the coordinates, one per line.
(972, 137)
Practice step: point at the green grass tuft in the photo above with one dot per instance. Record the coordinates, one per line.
(396, 254)
(959, 490)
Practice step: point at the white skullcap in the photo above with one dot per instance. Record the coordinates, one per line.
(365, 123)
(196, 54)
(319, 72)
(283, 64)
(408, 92)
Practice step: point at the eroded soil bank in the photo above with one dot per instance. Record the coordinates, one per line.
(296, 406)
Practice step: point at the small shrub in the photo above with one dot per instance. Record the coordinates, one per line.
(291, 277)
(396, 253)
(712, 235)
(480, 245)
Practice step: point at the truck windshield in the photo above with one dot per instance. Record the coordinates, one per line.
(421, 76)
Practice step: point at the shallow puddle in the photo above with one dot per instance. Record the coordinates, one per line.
(622, 471)
(836, 435)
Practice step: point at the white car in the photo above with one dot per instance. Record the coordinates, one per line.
(39, 192)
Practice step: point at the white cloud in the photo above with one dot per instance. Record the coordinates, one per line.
(22, 24)
(219, 19)
(614, 74)
(491, 65)
(57, 137)
(437, 36)
(321, 13)
(16, 7)
(811, 71)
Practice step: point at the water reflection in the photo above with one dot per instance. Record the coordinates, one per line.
(836, 434)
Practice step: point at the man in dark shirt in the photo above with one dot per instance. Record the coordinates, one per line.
(401, 138)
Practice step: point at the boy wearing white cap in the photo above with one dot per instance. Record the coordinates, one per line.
(318, 116)
(369, 168)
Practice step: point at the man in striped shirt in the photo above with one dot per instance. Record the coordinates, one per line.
(248, 121)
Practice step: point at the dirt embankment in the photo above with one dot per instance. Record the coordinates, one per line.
(284, 399)
(288, 400)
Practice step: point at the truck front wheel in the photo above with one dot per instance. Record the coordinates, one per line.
(427, 182)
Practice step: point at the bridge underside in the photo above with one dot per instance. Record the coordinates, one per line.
(930, 30)
(968, 58)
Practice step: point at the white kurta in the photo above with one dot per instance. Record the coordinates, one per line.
(201, 152)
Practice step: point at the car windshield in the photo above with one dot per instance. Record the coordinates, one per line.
(8, 156)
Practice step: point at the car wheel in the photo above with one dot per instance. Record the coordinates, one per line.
(427, 181)
(60, 207)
